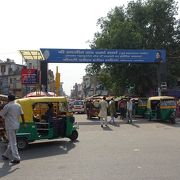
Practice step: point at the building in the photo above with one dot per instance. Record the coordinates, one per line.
(89, 87)
(76, 92)
(10, 78)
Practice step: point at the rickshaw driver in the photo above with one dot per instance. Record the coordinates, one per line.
(49, 113)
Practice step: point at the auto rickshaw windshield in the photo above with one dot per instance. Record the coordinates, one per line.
(168, 102)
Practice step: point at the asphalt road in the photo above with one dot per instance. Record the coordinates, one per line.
(141, 151)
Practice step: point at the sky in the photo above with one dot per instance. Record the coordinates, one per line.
(60, 24)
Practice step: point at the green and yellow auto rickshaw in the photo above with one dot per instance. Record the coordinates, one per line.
(38, 125)
(92, 106)
(161, 108)
(141, 107)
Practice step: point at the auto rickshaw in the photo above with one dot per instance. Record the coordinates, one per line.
(141, 107)
(120, 103)
(92, 106)
(37, 127)
(161, 108)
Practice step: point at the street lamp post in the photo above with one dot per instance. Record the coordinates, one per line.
(159, 78)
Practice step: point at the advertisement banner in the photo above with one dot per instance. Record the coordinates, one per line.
(29, 76)
(103, 56)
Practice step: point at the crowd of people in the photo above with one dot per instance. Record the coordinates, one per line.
(125, 107)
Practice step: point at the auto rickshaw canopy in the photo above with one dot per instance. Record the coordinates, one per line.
(158, 98)
(27, 104)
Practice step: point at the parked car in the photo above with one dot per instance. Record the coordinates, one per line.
(78, 106)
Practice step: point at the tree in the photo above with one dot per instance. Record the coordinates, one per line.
(147, 24)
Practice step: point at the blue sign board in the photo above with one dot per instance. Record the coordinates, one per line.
(103, 56)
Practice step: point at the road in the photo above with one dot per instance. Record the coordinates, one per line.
(141, 151)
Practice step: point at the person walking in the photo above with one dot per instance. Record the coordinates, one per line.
(122, 108)
(133, 108)
(11, 114)
(112, 110)
(129, 111)
(89, 107)
(103, 111)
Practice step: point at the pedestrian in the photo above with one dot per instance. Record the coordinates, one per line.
(129, 111)
(103, 111)
(11, 114)
(122, 108)
(89, 107)
(112, 110)
(133, 108)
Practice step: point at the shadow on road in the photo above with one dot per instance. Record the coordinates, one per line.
(40, 149)
(146, 121)
(116, 124)
(7, 169)
(136, 122)
(135, 125)
(46, 149)
(89, 123)
(106, 128)
(36, 150)
(176, 125)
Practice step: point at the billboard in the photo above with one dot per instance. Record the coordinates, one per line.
(103, 56)
(29, 76)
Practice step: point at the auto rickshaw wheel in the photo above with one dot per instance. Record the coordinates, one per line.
(74, 135)
(172, 121)
(22, 143)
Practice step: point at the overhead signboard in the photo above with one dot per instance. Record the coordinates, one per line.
(103, 56)
(29, 76)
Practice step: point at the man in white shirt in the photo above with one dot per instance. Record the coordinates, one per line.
(11, 113)
(129, 111)
(103, 111)
(112, 109)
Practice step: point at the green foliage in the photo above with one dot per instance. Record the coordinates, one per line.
(147, 24)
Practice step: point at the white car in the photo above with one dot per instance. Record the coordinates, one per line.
(78, 106)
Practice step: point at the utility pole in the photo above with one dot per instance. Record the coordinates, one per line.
(159, 78)
(57, 83)
(44, 75)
